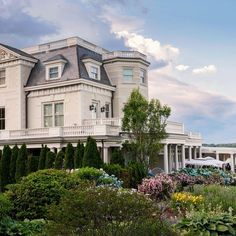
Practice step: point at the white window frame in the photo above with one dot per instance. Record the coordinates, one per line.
(2, 119)
(53, 115)
(52, 73)
(126, 76)
(94, 72)
(3, 77)
(142, 76)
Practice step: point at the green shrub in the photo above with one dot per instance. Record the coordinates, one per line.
(42, 157)
(91, 154)
(90, 211)
(88, 173)
(32, 164)
(208, 222)
(11, 227)
(59, 160)
(137, 171)
(5, 206)
(217, 195)
(5, 167)
(69, 157)
(79, 154)
(33, 193)
(21, 163)
(14, 155)
(117, 157)
(50, 158)
(113, 169)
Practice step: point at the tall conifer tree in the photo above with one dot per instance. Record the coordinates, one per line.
(21, 163)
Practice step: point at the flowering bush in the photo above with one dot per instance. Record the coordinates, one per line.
(109, 180)
(182, 180)
(159, 187)
(184, 200)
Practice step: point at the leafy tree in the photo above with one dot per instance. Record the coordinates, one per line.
(42, 157)
(50, 158)
(21, 163)
(79, 153)
(32, 164)
(91, 154)
(117, 157)
(14, 155)
(5, 172)
(145, 124)
(59, 160)
(69, 157)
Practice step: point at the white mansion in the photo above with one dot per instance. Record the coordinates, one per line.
(64, 91)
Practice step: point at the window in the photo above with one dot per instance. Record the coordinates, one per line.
(59, 114)
(2, 118)
(2, 77)
(53, 114)
(107, 110)
(53, 72)
(128, 75)
(94, 72)
(142, 76)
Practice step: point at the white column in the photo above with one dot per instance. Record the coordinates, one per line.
(232, 162)
(166, 164)
(200, 152)
(195, 152)
(176, 157)
(105, 155)
(217, 156)
(183, 155)
(189, 153)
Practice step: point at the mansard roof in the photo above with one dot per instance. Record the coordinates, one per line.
(74, 68)
(56, 58)
(17, 51)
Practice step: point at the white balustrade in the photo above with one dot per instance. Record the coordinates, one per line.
(124, 54)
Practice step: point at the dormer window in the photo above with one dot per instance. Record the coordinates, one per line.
(54, 67)
(92, 67)
(53, 72)
(2, 77)
(94, 72)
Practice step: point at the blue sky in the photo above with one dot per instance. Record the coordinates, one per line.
(190, 44)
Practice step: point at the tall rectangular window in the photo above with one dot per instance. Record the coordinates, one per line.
(128, 75)
(107, 110)
(48, 116)
(142, 76)
(59, 114)
(2, 77)
(53, 114)
(53, 72)
(94, 72)
(2, 118)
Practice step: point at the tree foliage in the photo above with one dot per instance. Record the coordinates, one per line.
(117, 157)
(42, 157)
(145, 124)
(32, 164)
(5, 167)
(79, 153)
(50, 158)
(14, 155)
(69, 157)
(59, 160)
(91, 154)
(21, 163)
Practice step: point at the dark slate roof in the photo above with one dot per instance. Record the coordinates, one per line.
(56, 58)
(17, 51)
(74, 68)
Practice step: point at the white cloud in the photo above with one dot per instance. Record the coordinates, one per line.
(205, 69)
(182, 67)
